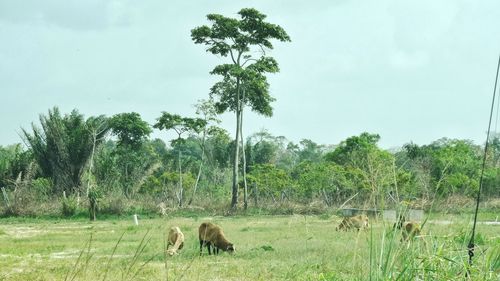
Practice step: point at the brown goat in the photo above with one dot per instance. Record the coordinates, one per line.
(176, 238)
(212, 235)
(410, 230)
(358, 222)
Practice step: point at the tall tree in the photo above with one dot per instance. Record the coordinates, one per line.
(180, 125)
(206, 109)
(130, 129)
(310, 151)
(97, 127)
(130, 154)
(364, 161)
(244, 79)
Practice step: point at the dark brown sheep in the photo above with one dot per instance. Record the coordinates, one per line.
(212, 235)
(410, 230)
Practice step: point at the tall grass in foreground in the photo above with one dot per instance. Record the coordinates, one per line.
(130, 270)
(428, 258)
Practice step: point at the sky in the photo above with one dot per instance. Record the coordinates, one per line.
(410, 71)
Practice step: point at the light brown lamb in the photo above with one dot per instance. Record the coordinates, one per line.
(358, 222)
(176, 238)
(212, 235)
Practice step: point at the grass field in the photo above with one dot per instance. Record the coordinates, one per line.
(267, 248)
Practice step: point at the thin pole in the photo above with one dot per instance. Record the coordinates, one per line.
(471, 245)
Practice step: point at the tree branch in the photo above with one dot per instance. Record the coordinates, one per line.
(250, 59)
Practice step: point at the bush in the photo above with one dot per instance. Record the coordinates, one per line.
(69, 206)
(116, 205)
(42, 187)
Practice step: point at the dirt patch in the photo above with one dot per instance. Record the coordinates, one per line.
(445, 222)
(24, 231)
(65, 255)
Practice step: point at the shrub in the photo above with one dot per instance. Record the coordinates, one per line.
(42, 187)
(115, 205)
(69, 206)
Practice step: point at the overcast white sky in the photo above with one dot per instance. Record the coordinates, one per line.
(407, 70)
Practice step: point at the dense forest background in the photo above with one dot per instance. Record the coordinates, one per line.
(69, 164)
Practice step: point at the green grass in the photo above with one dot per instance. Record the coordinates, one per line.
(267, 248)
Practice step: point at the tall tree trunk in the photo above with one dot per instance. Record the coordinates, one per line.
(245, 190)
(255, 194)
(94, 140)
(92, 207)
(201, 165)
(92, 200)
(234, 199)
(127, 191)
(181, 191)
(325, 197)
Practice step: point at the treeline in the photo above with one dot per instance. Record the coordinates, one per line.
(111, 165)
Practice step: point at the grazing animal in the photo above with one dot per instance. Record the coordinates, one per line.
(212, 235)
(410, 230)
(358, 222)
(176, 238)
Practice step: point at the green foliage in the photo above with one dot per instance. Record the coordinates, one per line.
(262, 148)
(450, 166)
(218, 148)
(171, 179)
(69, 205)
(370, 168)
(95, 194)
(42, 187)
(125, 169)
(131, 130)
(308, 151)
(278, 170)
(63, 146)
(179, 124)
(270, 181)
(353, 147)
(14, 160)
(328, 180)
(114, 204)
